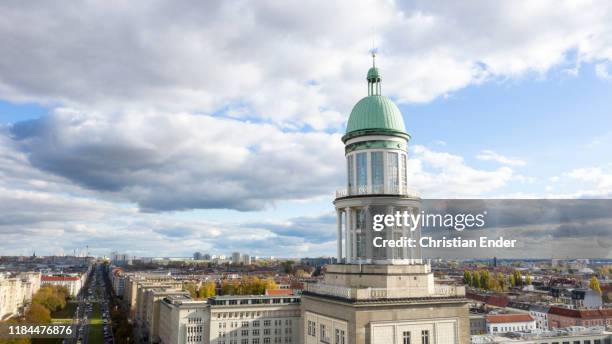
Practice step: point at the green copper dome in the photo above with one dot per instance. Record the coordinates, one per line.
(375, 112)
(373, 74)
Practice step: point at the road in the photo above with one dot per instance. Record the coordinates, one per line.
(92, 315)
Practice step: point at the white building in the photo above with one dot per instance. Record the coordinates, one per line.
(72, 282)
(540, 314)
(16, 292)
(252, 319)
(503, 323)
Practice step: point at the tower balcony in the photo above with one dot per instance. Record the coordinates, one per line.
(387, 190)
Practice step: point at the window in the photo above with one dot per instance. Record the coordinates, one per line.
(256, 323)
(266, 340)
(340, 337)
(323, 334)
(392, 173)
(267, 322)
(245, 332)
(349, 162)
(266, 331)
(245, 324)
(362, 172)
(377, 172)
(255, 341)
(256, 332)
(424, 337)
(403, 173)
(406, 337)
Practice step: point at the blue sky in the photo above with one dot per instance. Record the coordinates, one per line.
(221, 130)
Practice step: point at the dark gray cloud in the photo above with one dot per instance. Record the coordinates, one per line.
(177, 162)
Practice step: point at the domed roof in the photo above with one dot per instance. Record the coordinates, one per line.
(375, 112)
(373, 73)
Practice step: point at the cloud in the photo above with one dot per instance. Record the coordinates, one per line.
(439, 174)
(182, 161)
(281, 63)
(489, 155)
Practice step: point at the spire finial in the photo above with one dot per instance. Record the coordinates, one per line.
(373, 52)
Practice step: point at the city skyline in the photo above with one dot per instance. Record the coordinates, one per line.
(208, 137)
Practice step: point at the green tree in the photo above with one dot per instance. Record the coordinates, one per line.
(467, 277)
(527, 279)
(476, 279)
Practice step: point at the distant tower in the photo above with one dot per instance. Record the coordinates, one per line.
(383, 295)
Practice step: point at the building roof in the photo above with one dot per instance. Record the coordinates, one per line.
(375, 112)
(509, 318)
(581, 313)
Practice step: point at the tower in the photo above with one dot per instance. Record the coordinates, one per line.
(379, 294)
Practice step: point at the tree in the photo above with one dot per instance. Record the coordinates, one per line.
(467, 277)
(594, 284)
(38, 314)
(512, 280)
(527, 279)
(192, 288)
(207, 290)
(476, 279)
(501, 281)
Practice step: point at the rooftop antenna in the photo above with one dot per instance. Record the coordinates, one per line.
(374, 49)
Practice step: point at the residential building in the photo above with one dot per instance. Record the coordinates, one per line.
(251, 319)
(73, 282)
(503, 323)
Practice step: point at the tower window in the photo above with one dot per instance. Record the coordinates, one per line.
(392, 173)
(349, 162)
(362, 172)
(377, 172)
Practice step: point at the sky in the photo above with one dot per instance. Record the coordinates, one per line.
(161, 128)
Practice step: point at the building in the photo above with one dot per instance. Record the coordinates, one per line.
(478, 324)
(236, 258)
(246, 259)
(572, 335)
(503, 323)
(73, 282)
(540, 314)
(379, 294)
(152, 300)
(559, 317)
(252, 319)
(16, 291)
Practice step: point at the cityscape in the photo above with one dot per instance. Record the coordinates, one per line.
(305, 173)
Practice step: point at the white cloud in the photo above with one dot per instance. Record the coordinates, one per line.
(439, 174)
(290, 63)
(489, 155)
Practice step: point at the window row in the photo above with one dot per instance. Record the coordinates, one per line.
(387, 170)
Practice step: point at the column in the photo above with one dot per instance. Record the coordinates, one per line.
(339, 225)
(368, 235)
(389, 235)
(347, 234)
(353, 238)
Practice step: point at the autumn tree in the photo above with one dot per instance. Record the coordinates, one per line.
(594, 284)
(208, 289)
(38, 314)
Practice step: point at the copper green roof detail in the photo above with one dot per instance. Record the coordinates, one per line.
(373, 74)
(375, 112)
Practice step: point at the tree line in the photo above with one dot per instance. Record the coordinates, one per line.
(483, 279)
